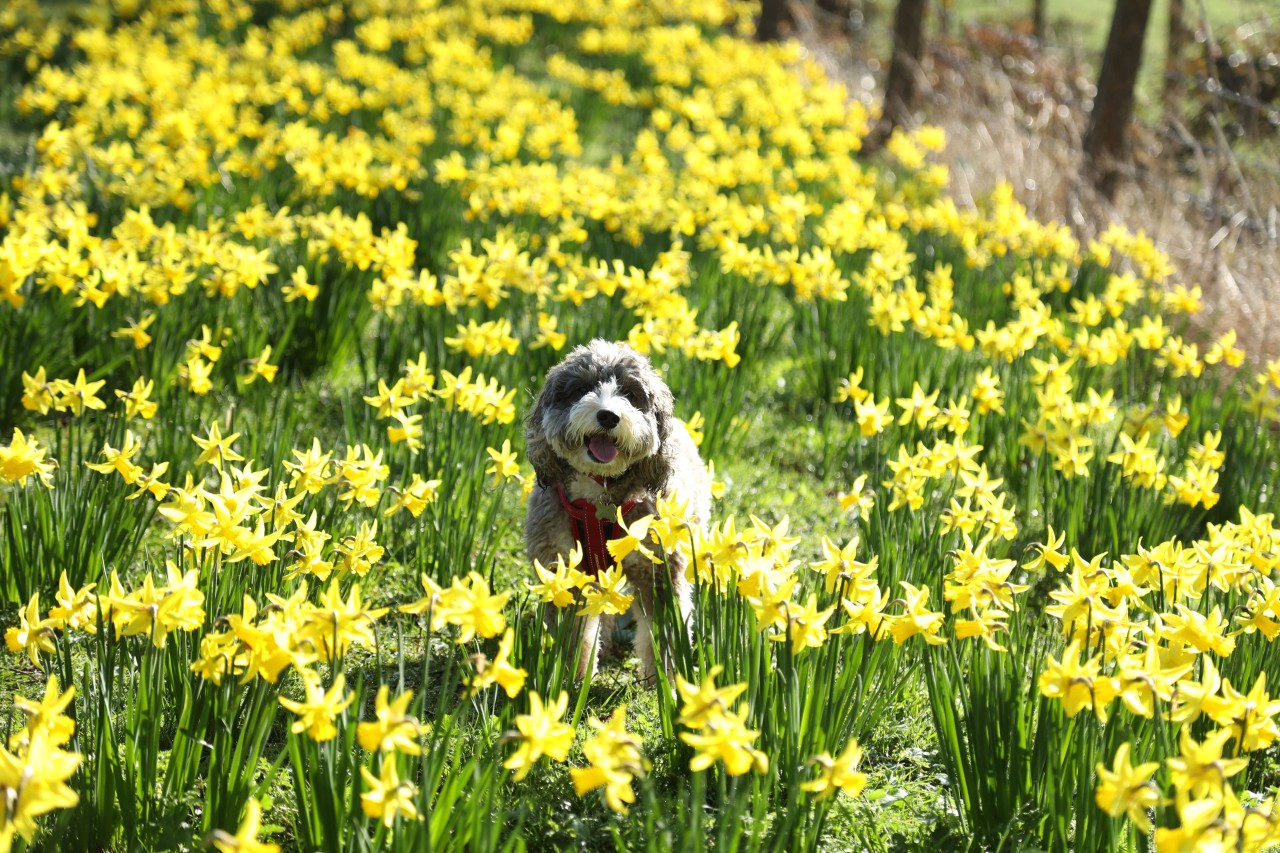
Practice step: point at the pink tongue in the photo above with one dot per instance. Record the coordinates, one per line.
(603, 448)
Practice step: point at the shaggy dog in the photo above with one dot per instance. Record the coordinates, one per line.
(602, 436)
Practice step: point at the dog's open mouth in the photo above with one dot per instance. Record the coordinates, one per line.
(601, 449)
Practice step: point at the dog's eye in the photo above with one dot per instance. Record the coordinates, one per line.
(636, 396)
(568, 392)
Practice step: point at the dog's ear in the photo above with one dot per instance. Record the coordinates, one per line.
(654, 471)
(663, 405)
(548, 467)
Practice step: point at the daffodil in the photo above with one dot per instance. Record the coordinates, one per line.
(310, 472)
(32, 634)
(772, 542)
(415, 497)
(119, 461)
(1048, 553)
(604, 594)
(407, 429)
(387, 796)
(841, 565)
(873, 417)
(429, 603)
(34, 784)
(1125, 789)
(215, 449)
(136, 331)
(985, 624)
(1249, 716)
(392, 729)
(851, 389)
(859, 500)
(45, 718)
(916, 618)
(473, 608)
(299, 288)
(260, 367)
(76, 609)
(389, 399)
(805, 626)
(37, 392)
(540, 732)
(334, 624)
(987, 394)
(498, 671)
(197, 375)
(548, 336)
(245, 839)
(360, 472)
(504, 465)
(633, 539)
(318, 711)
(837, 774)
(1201, 769)
(700, 701)
(919, 407)
(725, 737)
(616, 760)
(558, 583)
(23, 457)
(1078, 685)
(79, 396)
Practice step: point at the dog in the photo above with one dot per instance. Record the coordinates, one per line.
(602, 436)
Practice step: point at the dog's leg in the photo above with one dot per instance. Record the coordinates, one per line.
(678, 563)
(608, 625)
(653, 588)
(588, 631)
(642, 609)
(676, 583)
(584, 638)
(548, 537)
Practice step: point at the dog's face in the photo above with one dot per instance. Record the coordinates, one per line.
(602, 411)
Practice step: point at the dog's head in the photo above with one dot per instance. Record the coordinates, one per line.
(604, 412)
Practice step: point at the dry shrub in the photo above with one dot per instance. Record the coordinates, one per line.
(1016, 113)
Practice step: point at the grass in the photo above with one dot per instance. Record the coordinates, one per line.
(1082, 28)
(773, 472)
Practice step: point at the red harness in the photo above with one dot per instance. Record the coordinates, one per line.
(592, 532)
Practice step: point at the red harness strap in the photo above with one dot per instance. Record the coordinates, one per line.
(592, 532)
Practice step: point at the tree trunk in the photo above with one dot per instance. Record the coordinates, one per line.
(773, 14)
(1179, 38)
(1104, 142)
(902, 88)
(1037, 19)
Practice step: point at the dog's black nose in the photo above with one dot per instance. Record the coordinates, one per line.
(607, 419)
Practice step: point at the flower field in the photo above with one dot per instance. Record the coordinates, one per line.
(279, 281)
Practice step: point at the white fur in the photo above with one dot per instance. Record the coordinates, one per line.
(630, 435)
(647, 466)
